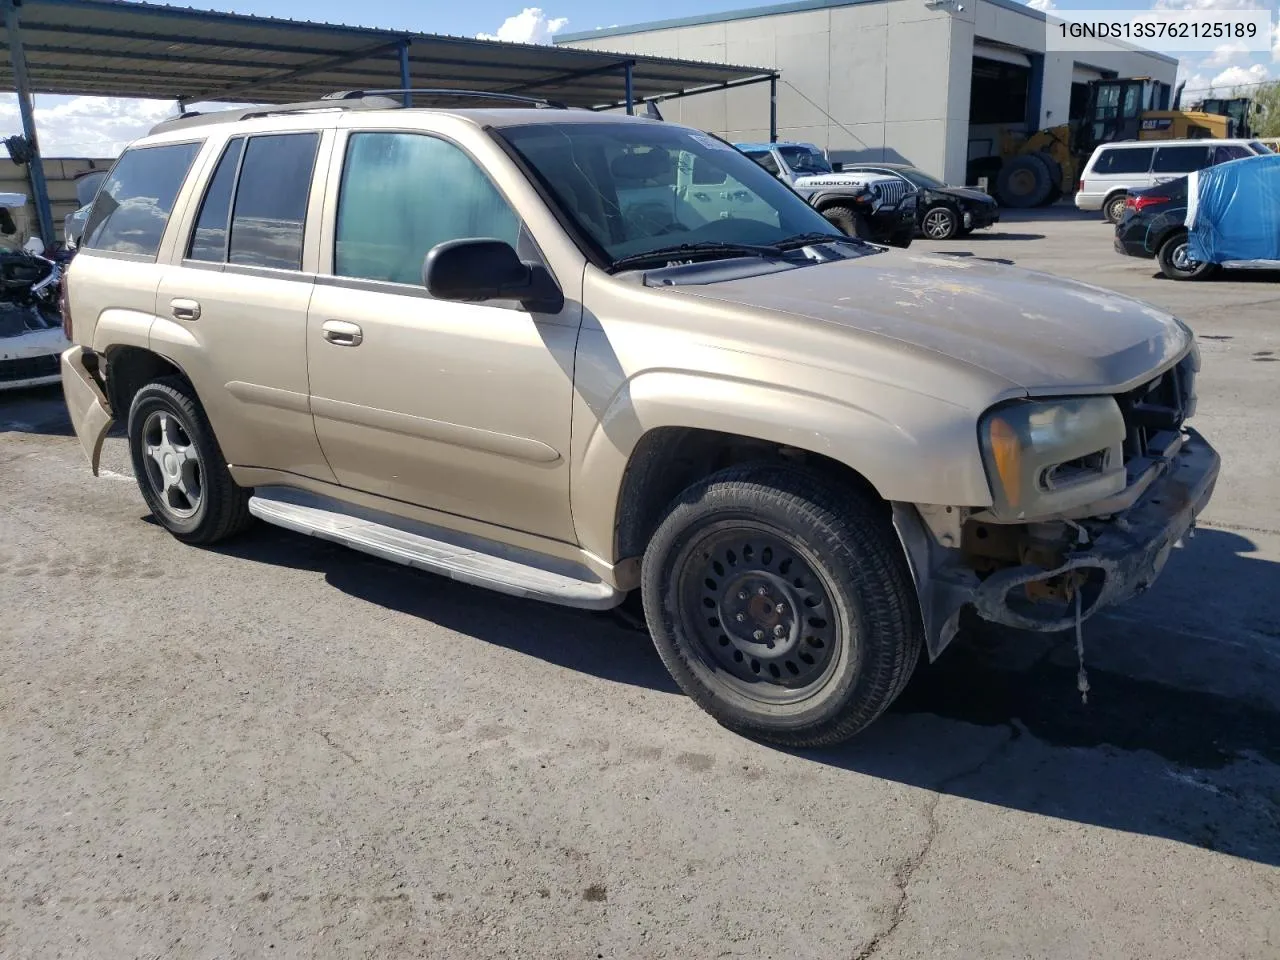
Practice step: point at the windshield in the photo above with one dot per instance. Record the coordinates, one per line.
(919, 178)
(805, 160)
(639, 187)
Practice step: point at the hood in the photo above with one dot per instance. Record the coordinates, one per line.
(1043, 333)
(965, 193)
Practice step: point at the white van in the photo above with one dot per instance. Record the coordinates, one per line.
(1116, 168)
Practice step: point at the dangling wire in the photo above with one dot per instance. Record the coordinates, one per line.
(1082, 678)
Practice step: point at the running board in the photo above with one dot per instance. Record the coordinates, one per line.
(472, 560)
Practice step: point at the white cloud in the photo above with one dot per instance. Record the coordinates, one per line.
(1275, 43)
(1208, 5)
(530, 25)
(1226, 54)
(86, 126)
(1241, 76)
(1041, 5)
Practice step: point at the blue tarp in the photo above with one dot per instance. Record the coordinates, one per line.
(1233, 211)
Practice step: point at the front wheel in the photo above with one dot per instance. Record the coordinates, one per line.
(849, 221)
(940, 223)
(782, 605)
(1176, 264)
(179, 465)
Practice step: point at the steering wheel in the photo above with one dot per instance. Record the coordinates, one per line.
(653, 220)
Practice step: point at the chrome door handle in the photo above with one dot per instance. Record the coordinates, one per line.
(342, 334)
(184, 309)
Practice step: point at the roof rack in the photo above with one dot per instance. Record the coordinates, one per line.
(449, 92)
(192, 118)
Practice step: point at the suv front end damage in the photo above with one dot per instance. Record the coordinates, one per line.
(1090, 496)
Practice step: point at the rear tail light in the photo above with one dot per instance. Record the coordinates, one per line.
(1080, 188)
(64, 304)
(1136, 204)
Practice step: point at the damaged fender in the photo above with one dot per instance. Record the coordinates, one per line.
(90, 413)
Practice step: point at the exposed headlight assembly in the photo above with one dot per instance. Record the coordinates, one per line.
(1047, 457)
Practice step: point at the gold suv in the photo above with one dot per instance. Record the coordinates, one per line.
(569, 356)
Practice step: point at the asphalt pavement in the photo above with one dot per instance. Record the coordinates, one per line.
(280, 748)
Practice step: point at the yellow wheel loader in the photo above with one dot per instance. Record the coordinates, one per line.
(1036, 170)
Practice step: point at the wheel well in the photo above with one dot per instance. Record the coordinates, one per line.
(668, 460)
(129, 369)
(1117, 192)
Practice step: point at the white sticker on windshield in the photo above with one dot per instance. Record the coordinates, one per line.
(711, 143)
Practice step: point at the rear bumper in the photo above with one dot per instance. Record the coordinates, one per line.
(1130, 246)
(90, 413)
(1088, 201)
(30, 360)
(1124, 555)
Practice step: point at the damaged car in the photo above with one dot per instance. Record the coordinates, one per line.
(615, 359)
(31, 334)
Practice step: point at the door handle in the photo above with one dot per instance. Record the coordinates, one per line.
(342, 334)
(184, 309)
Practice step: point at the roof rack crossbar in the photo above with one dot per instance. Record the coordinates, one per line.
(195, 118)
(343, 95)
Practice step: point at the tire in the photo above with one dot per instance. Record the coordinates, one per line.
(850, 222)
(829, 554)
(1055, 179)
(903, 238)
(1113, 208)
(1023, 182)
(940, 223)
(179, 465)
(1173, 263)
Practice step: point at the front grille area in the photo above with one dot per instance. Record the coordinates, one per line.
(28, 368)
(890, 192)
(1159, 406)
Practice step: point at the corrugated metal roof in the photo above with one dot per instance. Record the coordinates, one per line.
(125, 49)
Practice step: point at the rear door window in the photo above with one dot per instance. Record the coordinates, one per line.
(1124, 160)
(270, 207)
(133, 206)
(1181, 159)
(209, 242)
(1230, 151)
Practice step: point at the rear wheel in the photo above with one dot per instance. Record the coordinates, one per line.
(179, 465)
(1113, 209)
(783, 606)
(1176, 264)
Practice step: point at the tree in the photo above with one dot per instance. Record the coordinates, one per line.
(1264, 114)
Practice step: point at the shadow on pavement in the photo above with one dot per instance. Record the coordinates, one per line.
(35, 410)
(1143, 756)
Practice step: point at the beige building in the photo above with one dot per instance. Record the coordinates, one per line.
(929, 82)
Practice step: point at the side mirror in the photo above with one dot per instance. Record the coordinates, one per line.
(479, 270)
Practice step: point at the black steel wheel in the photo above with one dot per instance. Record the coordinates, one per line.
(782, 604)
(758, 608)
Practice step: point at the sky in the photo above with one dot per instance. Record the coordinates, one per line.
(101, 127)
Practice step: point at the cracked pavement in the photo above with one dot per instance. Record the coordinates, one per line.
(281, 748)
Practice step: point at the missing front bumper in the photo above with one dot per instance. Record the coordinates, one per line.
(1124, 554)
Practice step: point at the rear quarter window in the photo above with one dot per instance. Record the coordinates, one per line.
(133, 206)
(1124, 160)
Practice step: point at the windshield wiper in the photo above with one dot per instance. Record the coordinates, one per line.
(708, 247)
(805, 239)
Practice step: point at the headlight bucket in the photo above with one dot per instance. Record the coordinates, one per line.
(1047, 457)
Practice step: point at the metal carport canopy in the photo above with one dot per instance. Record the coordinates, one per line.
(117, 48)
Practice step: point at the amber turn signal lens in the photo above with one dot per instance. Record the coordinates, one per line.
(1006, 450)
